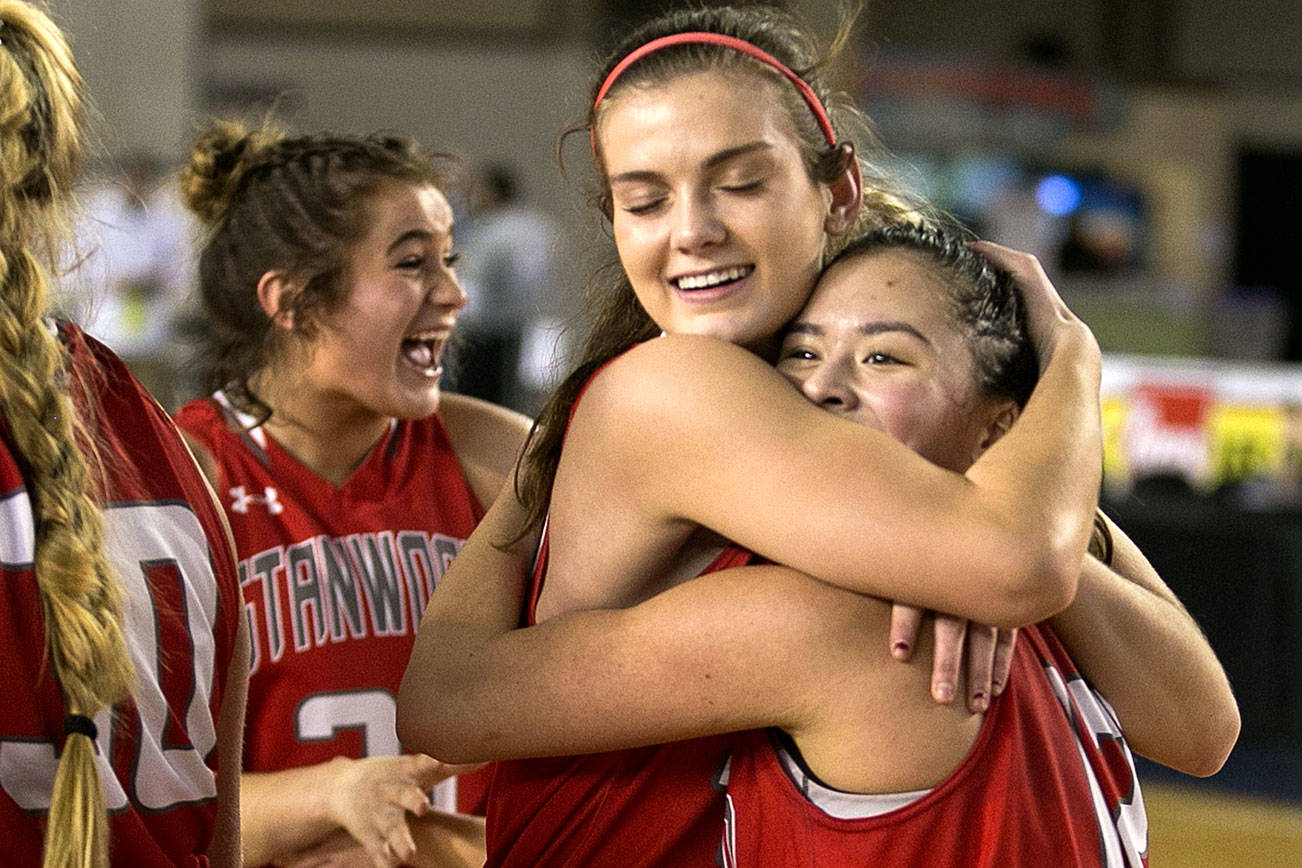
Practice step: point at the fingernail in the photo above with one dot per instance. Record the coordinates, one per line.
(944, 691)
(996, 687)
(979, 701)
(900, 649)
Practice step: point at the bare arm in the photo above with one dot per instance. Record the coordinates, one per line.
(839, 501)
(1144, 652)
(487, 440)
(704, 657)
(443, 840)
(224, 850)
(288, 811)
(734, 650)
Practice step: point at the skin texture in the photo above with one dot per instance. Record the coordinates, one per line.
(334, 388)
(875, 345)
(350, 374)
(913, 379)
(226, 848)
(733, 200)
(809, 657)
(686, 440)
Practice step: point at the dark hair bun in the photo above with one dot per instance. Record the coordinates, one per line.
(219, 160)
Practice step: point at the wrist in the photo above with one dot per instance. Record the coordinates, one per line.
(338, 783)
(1074, 345)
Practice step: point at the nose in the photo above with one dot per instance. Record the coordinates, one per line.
(445, 289)
(828, 386)
(696, 224)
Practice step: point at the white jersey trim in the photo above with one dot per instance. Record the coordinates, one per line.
(17, 530)
(247, 422)
(837, 803)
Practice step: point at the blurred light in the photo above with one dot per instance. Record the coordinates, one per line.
(1058, 195)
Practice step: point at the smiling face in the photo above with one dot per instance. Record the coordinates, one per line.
(878, 345)
(719, 227)
(377, 353)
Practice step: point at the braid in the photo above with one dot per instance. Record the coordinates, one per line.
(81, 600)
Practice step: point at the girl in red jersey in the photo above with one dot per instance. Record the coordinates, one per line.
(727, 189)
(122, 644)
(909, 332)
(349, 481)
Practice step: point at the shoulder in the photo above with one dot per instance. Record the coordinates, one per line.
(688, 389)
(675, 372)
(476, 425)
(486, 439)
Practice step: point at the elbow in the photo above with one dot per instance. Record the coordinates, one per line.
(429, 727)
(428, 733)
(415, 726)
(1196, 745)
(1033, 584)
(1216, 738)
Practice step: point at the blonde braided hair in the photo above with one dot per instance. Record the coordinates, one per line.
(41, 115)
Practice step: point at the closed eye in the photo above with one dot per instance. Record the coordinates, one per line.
(451, 260)
(642, 207)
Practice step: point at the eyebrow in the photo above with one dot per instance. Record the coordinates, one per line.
(711, 162)
(418, 234)
(865, 328)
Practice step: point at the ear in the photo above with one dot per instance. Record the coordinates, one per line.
(274, 294)
(847, 197)
(1002, 416)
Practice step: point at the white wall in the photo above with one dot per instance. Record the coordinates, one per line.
(139, 59)
(481, 102)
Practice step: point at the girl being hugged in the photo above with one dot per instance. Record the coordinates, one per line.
(728, 185)
(328, 281)
(123, 648)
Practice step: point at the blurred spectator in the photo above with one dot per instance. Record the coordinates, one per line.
(134, 241)
(509, 270)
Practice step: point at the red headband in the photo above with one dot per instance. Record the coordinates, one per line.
(707, 38)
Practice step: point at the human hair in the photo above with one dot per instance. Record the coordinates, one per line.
(616, 318)
(41, 140)
(272, 202)
(500, 182)
(984, 304)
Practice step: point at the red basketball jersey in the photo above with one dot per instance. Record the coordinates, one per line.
(1049, 781)
(649, 806)
(163, 536)
(335, 580)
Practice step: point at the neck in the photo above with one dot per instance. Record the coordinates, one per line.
(329, 434)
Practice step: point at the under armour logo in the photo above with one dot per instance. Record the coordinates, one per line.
(269, 498)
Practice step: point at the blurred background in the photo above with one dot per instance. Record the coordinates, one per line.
(1148, 151)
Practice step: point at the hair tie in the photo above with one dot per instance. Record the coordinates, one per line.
(707, 38)
(80, 724)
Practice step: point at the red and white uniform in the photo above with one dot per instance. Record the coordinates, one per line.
(649, 806)
(335, 580)
(163, 536)
(1049, 781)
